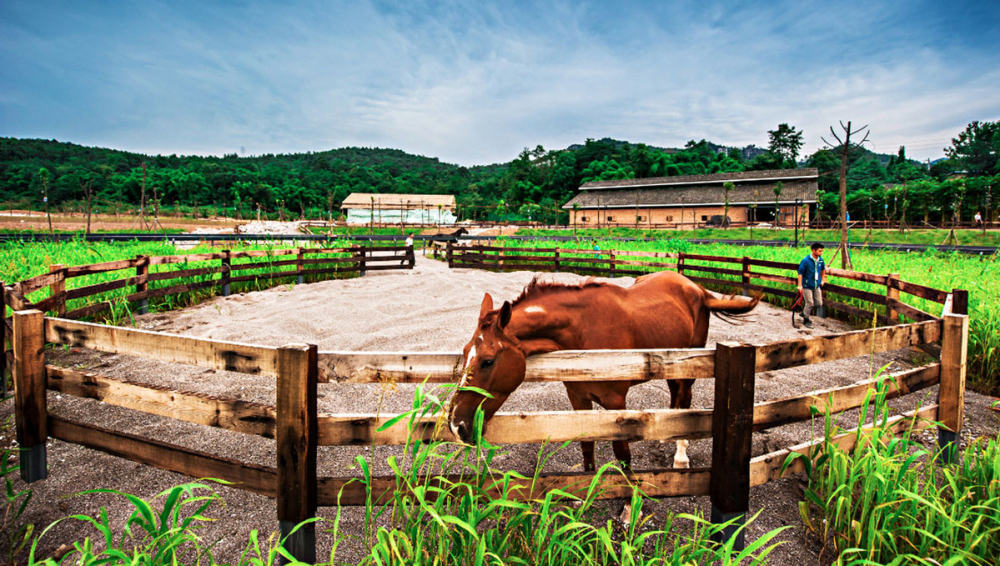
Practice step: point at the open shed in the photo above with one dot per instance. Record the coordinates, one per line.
(363, 208)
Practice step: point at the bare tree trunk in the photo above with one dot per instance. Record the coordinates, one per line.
(88, 192)
(845, 147)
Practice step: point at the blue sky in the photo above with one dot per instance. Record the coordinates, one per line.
(474, 83)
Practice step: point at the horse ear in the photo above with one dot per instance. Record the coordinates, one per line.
(504, 315)
(487, 305)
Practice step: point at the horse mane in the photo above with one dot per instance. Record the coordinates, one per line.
(538, 288)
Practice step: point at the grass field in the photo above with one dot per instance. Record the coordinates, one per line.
(915, 236)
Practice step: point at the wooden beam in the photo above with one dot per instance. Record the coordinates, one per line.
(770, 467)
(79, 270)
(296, 436)
(30, 408)
(3, 340)
(836, 399)
(951, 394)
(892, 297)
(166, 456)
(526, 427)
(564, 365)
(791, 353)
(228, 356)
(732, 428)
(228, 414)
(613, 485)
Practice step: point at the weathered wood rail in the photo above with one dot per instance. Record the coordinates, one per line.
(299, 429)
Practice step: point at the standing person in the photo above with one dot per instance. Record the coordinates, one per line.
(409, 245)
(812, 276)
(979, 219)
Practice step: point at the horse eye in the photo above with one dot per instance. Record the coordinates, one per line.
(486, 363)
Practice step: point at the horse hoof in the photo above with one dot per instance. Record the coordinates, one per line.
(626, 516)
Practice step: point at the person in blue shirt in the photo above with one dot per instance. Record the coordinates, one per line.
(812, 276)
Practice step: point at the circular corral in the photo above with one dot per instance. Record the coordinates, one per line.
(430, 308)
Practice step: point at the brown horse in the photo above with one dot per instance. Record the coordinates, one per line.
(661, 310)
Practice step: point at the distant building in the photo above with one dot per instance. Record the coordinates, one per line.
(361, 208)
(693, 201)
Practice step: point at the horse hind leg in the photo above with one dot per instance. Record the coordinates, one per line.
(680, 398)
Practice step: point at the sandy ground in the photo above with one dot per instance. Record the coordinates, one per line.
(430, 308)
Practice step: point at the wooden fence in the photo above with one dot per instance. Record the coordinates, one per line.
(298, 428)
(139, 279)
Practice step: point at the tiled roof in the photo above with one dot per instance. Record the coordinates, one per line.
(704, 193)
(715, 178)
(384, 200)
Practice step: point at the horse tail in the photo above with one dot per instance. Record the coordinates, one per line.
(729, 308)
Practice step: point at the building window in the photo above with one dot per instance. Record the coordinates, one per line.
(640, 218)
(584, 219)
(704, 218)
(669, 219)
(611, 219)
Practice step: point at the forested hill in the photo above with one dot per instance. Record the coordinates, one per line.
(531, 186)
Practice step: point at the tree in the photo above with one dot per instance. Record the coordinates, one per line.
(778, 187)
(977, 148)
(844, 147)
(785, 142)
(727, 188)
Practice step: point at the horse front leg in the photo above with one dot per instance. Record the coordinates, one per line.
(680, 398)
(614, 400)
(581, 402)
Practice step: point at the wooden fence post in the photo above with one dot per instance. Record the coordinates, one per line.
(58, 288)
(142, 282)
(746, 276)
(449, 254)
(361, 260)
(30, 410)
(680, 263)
(299, 266)
(227, 266)
(296, 437)
(3, 339)
(951, 391)
(556, 260)
(892, 294)
(611, 263)
(410, 256)
(960, 301)
(732, 430)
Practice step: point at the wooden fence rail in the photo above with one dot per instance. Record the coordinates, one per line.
(298, 371)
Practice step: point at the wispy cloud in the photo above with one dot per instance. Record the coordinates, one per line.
(474, 84)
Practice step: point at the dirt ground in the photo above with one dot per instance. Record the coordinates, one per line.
(36, 221)
(430, 308)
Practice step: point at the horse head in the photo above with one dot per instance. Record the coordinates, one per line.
(494, 363)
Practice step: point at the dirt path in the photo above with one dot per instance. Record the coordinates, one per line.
(430, 308)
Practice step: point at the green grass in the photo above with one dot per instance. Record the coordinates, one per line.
(889, 500)
(980, 275)
(915, 236)
(23, 260)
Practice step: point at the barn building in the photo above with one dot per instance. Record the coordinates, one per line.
(695, 201)
(361, 208)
